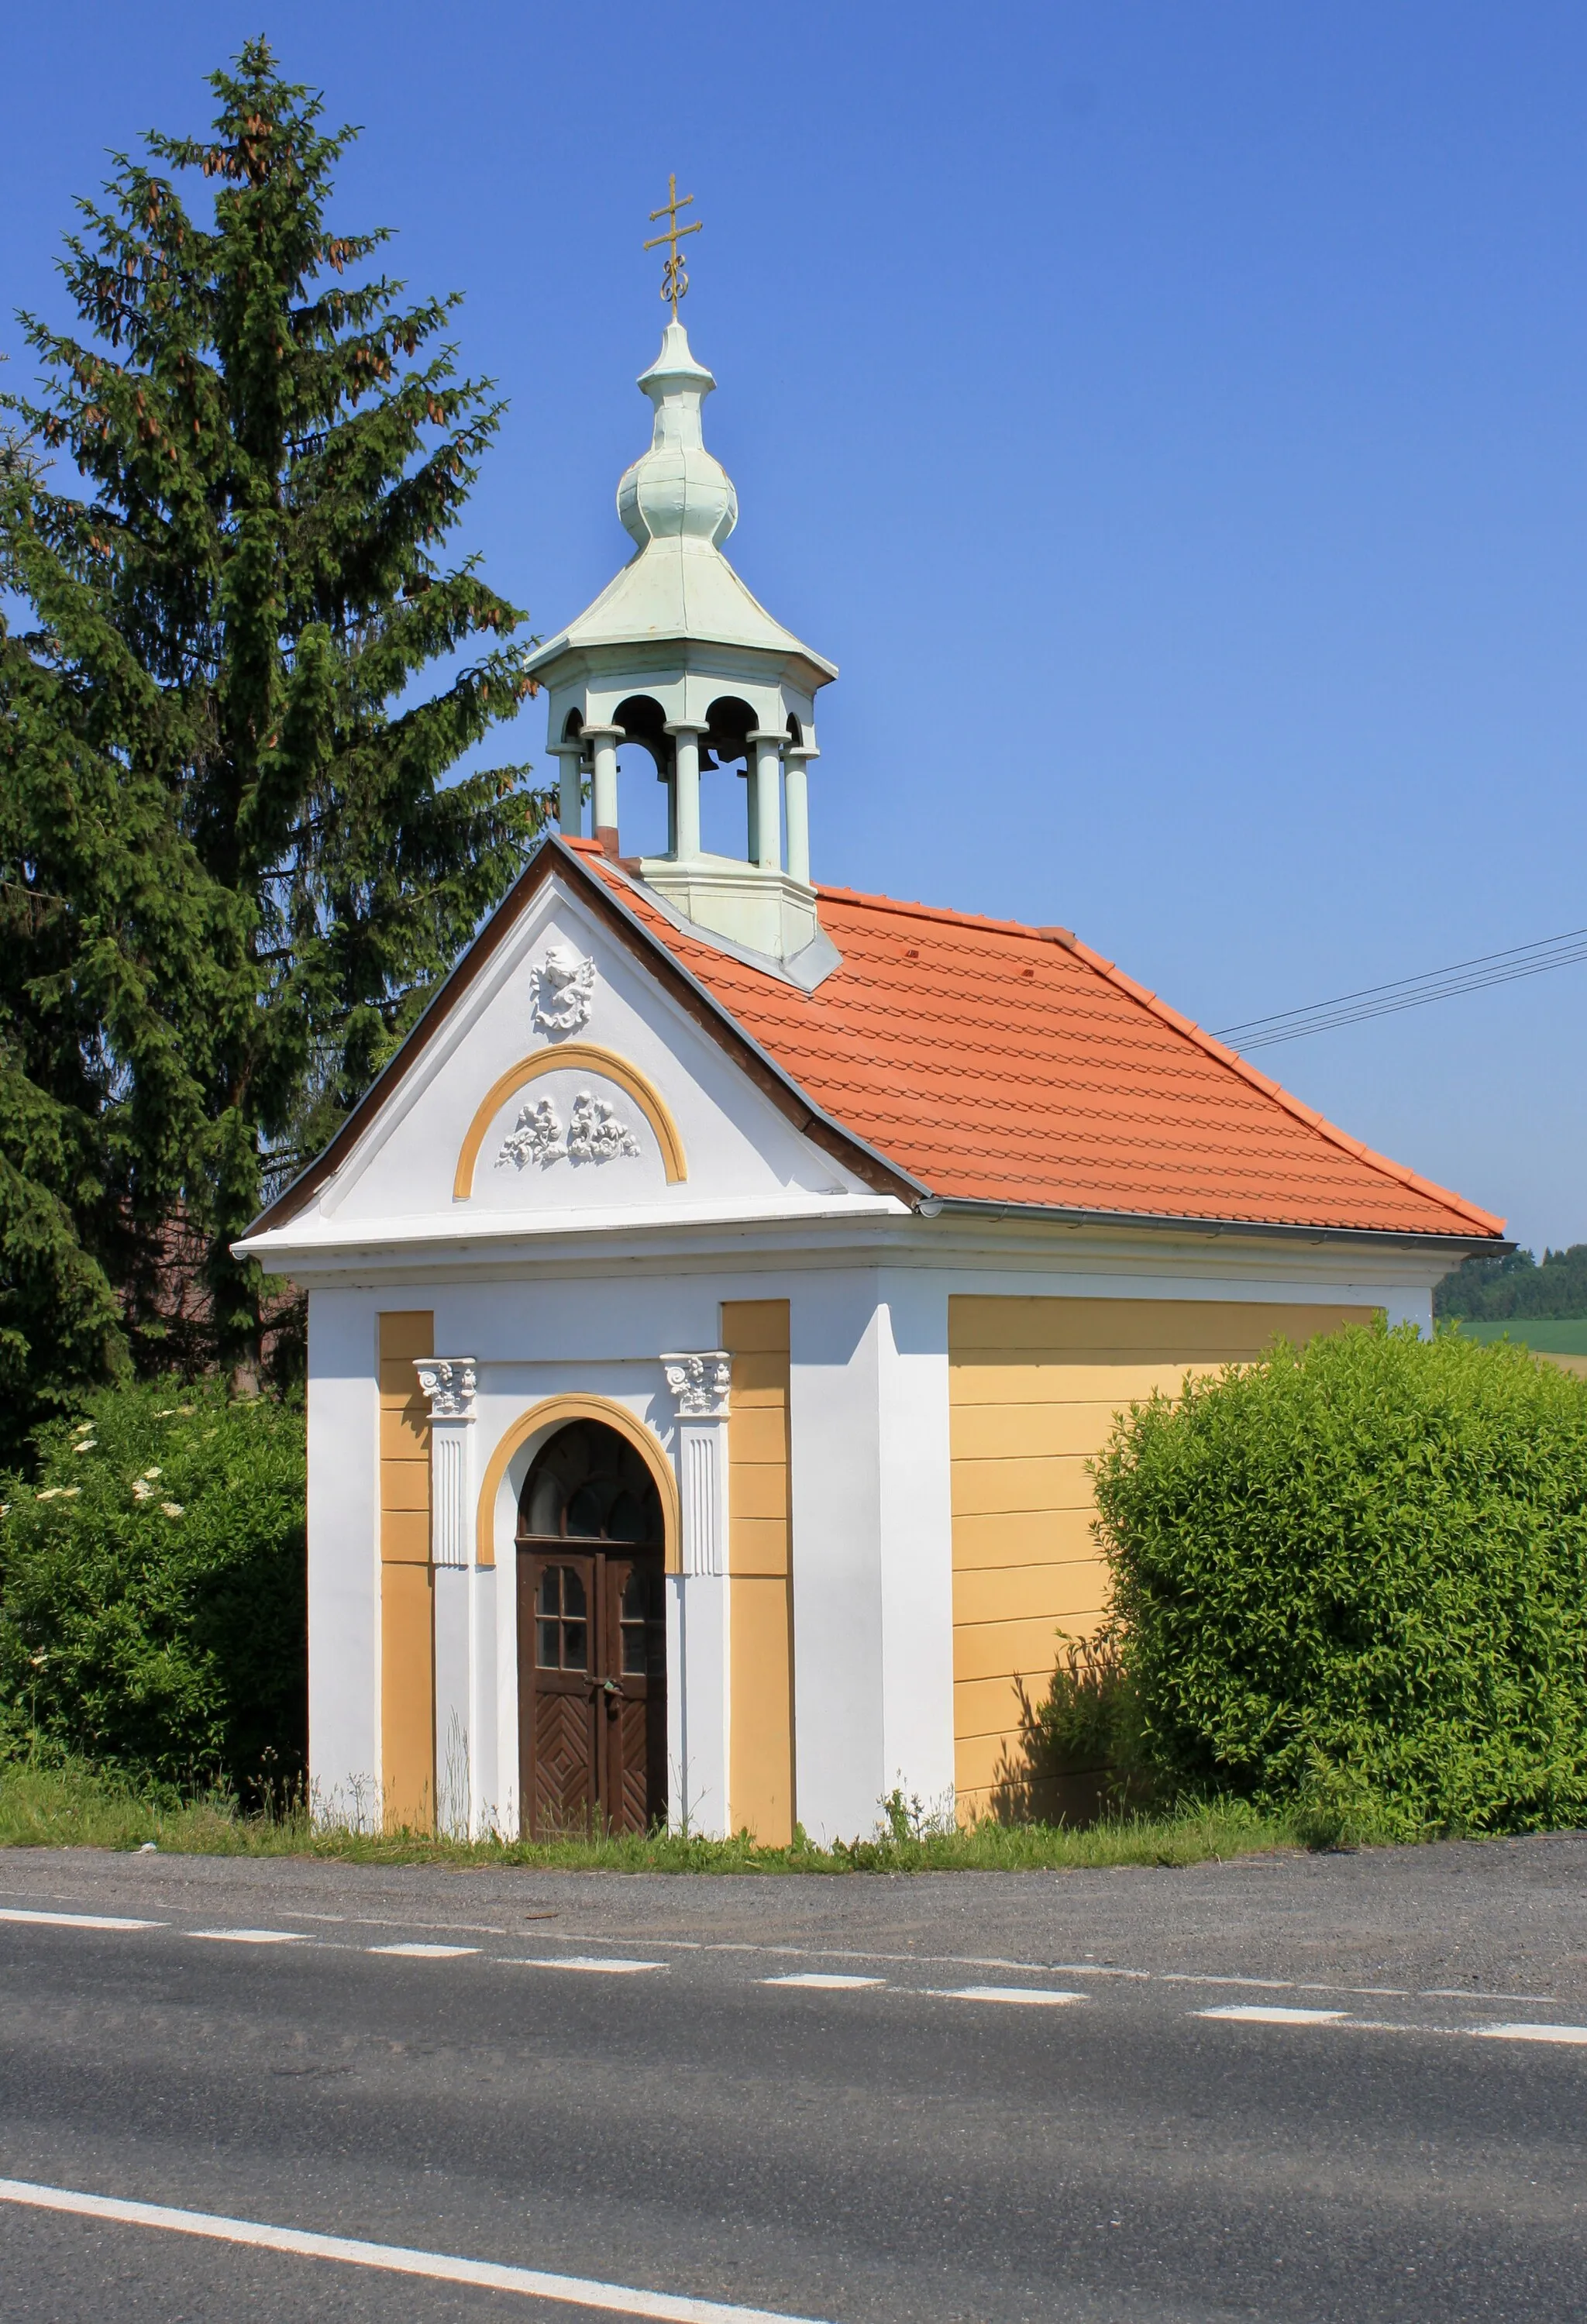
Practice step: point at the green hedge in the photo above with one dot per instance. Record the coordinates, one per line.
(153, 1612)
(1354, 1578)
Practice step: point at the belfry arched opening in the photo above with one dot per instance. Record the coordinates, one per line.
(592, 1637)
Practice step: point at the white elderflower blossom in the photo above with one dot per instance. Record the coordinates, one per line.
(171, 1509)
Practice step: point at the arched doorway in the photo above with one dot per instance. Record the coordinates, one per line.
(592, 1637)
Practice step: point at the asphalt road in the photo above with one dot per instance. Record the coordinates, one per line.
(1401, 2136)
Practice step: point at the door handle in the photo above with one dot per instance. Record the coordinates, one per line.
(610, 1687)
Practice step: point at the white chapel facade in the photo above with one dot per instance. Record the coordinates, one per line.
(712, 1306)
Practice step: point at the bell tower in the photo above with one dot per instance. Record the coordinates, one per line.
(675, 655)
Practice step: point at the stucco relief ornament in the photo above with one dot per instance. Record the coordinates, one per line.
(563, 989)
(535, 1137)
(449, 1384)
(699, 1383)
(595, 1134)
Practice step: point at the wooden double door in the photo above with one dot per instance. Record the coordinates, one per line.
(592, 1639)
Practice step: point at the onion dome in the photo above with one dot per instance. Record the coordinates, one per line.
(676, 489)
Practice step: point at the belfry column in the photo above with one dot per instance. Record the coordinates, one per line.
(603, 741)
(685, 787)
(449, 1382)
(766, 826)
(569, 784)
(796, 758)
(697, 1668)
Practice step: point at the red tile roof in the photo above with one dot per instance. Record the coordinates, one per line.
(1001, 1064)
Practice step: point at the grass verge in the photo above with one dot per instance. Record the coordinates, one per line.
(83, 1808)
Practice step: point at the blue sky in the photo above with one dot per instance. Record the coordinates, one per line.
(1170, 418)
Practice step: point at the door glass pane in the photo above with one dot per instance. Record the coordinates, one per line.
(561, 1628)
(638, 1612)
(626, 1522)
(544, 1514)
(583, 1514)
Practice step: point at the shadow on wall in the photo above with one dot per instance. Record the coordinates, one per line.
(1076, 1757)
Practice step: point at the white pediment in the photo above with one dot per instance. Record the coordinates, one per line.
(566, 1080)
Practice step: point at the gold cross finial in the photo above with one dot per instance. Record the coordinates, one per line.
(674, 280)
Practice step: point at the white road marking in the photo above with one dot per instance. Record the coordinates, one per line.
(250, 1936)
(1252, 2012)
(1473, 1992)
(1033, 1996)
(424, 1952)
(1268, 1984)
(824, 1982)
(79, 1921)
(1576, 2035)
(396, 2259)
(585, 1961)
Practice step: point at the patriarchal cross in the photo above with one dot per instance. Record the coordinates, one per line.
(674, 280)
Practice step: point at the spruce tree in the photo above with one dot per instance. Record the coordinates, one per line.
(231, 867)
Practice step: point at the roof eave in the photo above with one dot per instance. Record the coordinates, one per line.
(1268, 1229)
(569, 647)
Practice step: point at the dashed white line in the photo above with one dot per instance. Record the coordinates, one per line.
(1255, 2013)
(1576, 2036)
(423, 1952)
(824, 1981)
(395, 2259)
(249, 1936)
(79, 1921)
(1034, 1996)
(585, 1962)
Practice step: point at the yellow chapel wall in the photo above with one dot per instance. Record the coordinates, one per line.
(1033, 1388)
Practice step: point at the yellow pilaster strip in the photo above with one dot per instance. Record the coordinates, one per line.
(407, 1626)
(760, 1565)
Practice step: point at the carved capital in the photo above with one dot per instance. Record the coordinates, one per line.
(449, 1382)
(700, 1384)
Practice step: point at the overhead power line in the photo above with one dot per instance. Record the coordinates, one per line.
(1409, 992)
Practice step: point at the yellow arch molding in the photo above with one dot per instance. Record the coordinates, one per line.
(556, 1412)
(577, 1056)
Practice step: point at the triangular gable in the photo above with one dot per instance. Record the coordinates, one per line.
(568, 1065)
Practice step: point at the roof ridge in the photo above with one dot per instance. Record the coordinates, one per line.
(932, 912)
(1445, 1195)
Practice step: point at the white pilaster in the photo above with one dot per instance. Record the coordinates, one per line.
(842, 1772)
(449, 1382)
(685, 787)
(766, 825)
(698, 1663)
(916, 1538)
(343, 1561)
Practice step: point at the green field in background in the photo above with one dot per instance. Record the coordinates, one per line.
(1551, 1336)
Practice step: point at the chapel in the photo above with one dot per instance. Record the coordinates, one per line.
(714, 1303)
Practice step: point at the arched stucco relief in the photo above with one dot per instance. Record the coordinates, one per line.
(574, 1057)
